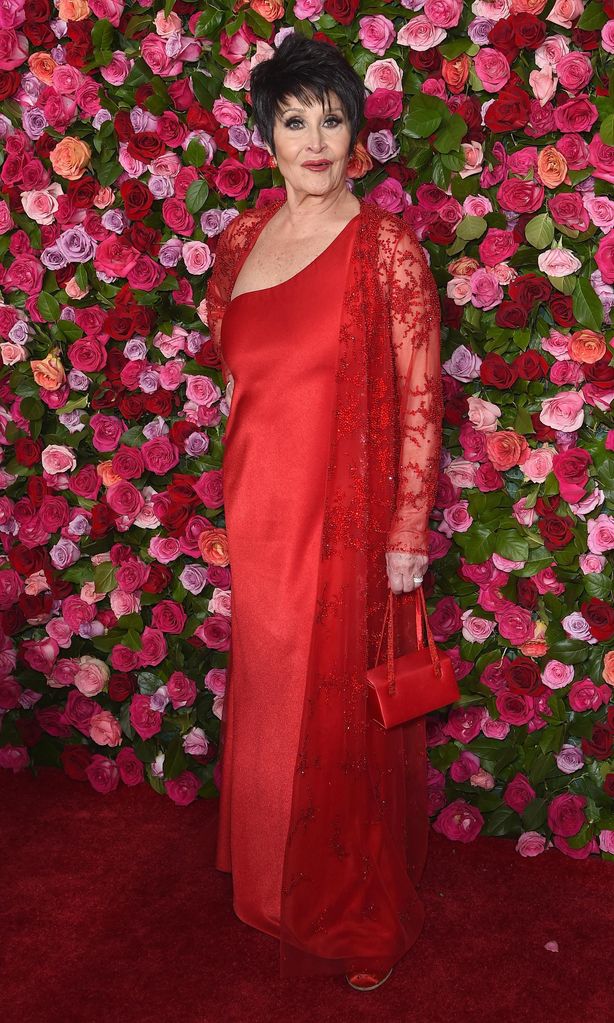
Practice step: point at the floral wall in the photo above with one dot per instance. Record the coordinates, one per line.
(127, 144)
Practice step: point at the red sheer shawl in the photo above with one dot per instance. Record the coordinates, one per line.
(358, 831)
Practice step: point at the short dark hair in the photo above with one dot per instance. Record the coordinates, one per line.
(305, 68)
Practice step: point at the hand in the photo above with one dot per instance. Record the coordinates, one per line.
(230, 388)
(404, 569)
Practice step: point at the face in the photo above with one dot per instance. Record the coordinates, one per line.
(312, 144)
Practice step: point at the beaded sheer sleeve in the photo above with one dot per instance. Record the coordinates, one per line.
(415, 335)
(219, 287)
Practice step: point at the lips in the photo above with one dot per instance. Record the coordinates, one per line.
(317, 164)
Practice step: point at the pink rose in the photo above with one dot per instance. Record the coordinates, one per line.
(88, 354)
(566, 814)
(466, 765)
(456, 519)
(492, 68)
(557, 675)
(56, 458)
(497, 246)
(127, 463)
(384, 74)
(233, 179)
(102, 774)
(486, 292)
(124, 659)
(104, 729)
(131, 769)
(215, 681)
(574, 71)
(584, 695)
(578, 114)
(531, 843)
(115, 256)
(13, 49)
(181, 690)
(183, 789)
(160, 455)
(519, 793)
(601, 534)
(443, 13)
(604, 257)
(459, 821)
(92, 676)
(464, 723)
(209, 488)
(515, 708)
(169, 616)
(145, 721)
(153, 647)
(520, 196)
(420, 34)
(376, 33)
(107, 431)
(515, 624)
(124, 498)
(564, 412)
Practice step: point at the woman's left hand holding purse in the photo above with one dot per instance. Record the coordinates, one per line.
(405, 571)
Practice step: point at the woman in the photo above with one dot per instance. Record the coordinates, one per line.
(326, 319)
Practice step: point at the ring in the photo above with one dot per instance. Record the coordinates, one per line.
(417, 580)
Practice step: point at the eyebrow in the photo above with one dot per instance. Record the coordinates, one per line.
(300, 109)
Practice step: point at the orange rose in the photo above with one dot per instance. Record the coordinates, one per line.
(268, 9)
(463, 267)
(506, 448)
(42, 66)
(73, 10)
(552, 167)
(105, 471)
(456, 72)
(213, 545)
(49, 372)
(586, 346)
(608, 668)
(360, 163)
(534, 7)
(70, 157)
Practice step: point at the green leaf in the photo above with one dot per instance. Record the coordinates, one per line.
(598, 586)
(195, 154)
(210, 22)
(471, 227)
(32, 408)
(104, 577)
(501, 821)
(197, 195)
(593, 17)
(48, 306)
(587, 307)
(509, 544)
(451, 135)
(606, 131)
(536, 813)
(539, 232)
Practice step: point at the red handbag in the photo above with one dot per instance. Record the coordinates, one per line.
(414, 684)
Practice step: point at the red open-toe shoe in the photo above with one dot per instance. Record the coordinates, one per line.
(365, 980)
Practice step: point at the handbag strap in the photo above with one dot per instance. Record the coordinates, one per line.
(422, 621)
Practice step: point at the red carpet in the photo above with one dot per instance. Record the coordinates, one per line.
(112, 912)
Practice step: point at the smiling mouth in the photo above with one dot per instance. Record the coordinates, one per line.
(317, 164)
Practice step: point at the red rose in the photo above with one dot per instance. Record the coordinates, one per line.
(571, 470)
(27, 560)
(547, 505)
(511, 315)
(555, 531)
(501, 37)
(12, 621)
(123, 126)
(83, 191)
(529, 290)
(161, 402)
(27, 452)
(529, 31)
(131, 406)
(600, 618)
(175, 517)
(180, 431)
(527, 594)
(600, 743)
(426, 60)
(158, 579)
(137, 198)
(455, 410)
(600, 373)
(608, 785)
(121, 686)
(343, 11)
(531, 365)
(561, 307)
(75, 759)
(523, 676)
(119, 324)
(146, 146)
(144, 239)
(495, 372)
(511, 109)
(9, 83)
(542, 432)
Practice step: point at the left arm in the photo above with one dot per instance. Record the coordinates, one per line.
(415, 317)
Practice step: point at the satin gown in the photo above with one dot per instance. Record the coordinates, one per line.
(281, 346)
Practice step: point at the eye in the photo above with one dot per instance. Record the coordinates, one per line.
(297, 120)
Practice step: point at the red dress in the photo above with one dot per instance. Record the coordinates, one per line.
(331, 459)
(282, 352)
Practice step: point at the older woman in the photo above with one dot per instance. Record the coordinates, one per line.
(326, 319)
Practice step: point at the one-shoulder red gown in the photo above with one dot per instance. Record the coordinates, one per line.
(281, 346)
